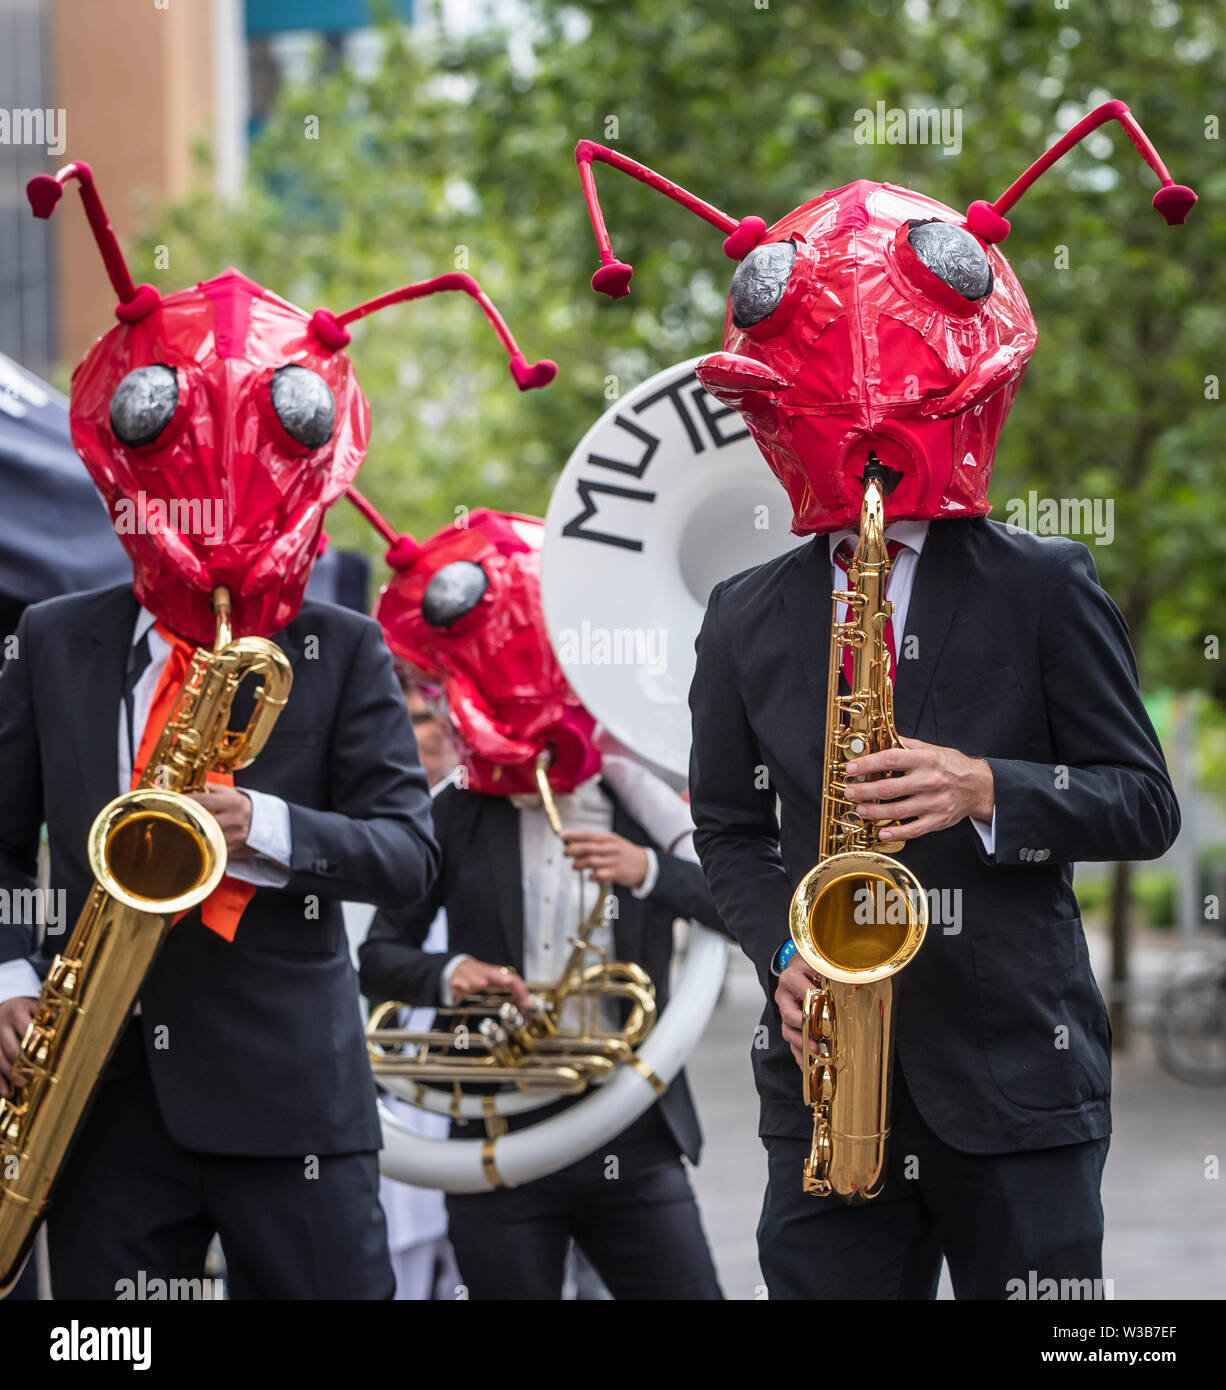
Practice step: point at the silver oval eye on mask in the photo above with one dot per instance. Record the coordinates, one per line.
(759, 282)
(453, 592)
(144, 403)
(304, 405)
(953, 255)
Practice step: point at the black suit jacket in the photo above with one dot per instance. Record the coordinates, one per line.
(1022, 659)
(256, 1046)
(482, 889)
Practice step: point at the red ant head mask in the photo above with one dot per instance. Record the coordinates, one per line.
(220, 423)
(872, 321)
(464, 610)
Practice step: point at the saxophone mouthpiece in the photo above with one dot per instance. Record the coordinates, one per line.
(886, 478)
(221, 610)
(541, 769)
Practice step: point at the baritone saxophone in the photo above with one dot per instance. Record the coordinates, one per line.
(155, 854)
(859, 915)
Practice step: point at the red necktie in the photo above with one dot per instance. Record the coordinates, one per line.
(224, 906)
(843, 558)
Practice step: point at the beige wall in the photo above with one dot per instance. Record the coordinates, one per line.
(136, 82)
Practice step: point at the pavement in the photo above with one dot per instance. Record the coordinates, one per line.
(1165, 1211)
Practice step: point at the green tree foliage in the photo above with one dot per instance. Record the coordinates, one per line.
(461, 145)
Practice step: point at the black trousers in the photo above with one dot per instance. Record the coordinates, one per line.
(131, 1207)
(993, 1218)
(629, 1207)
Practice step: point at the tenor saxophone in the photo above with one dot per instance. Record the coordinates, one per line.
(859, 915)
(155, 853)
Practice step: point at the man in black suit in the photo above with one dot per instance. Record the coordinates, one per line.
(1027, 749)
(239, 1099)
(509, 894)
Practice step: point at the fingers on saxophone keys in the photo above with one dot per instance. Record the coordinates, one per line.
(887, 810)
(887, 760)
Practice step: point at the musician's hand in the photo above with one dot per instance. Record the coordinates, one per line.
(231, 809)
(607, 857)
(794, 982)
(476, 976)
(937, 788)
(15, 1016)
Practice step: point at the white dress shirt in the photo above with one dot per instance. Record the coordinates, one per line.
(911, 536)
(551, 887)
(269, 835)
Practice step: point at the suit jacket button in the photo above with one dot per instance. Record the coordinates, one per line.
(1042, 854)
(1025, 853)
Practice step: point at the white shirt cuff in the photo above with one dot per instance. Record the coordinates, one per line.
(986, 832)
(444, 984)
(270, 838)
(19, 980)
(651, 877)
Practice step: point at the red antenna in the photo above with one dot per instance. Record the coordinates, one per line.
(402, 548)
(1173, 200)
(613, 276)
(331, 327)
(45, 190)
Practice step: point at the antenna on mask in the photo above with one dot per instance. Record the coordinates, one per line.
(402, 550)
(1173, 200)
(45, 191)
(613, 276)
(331, 329)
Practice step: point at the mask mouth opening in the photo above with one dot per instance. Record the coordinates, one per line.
(888, 478)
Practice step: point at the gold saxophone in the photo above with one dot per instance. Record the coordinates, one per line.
(154, 853)
(858, 916)
(491, 1039)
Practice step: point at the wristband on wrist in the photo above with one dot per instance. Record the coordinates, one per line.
(786, 952)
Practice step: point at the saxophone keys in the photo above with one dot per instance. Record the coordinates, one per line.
(817, 1165)
(36, 1049)
(818, 1016)
(822, 1146)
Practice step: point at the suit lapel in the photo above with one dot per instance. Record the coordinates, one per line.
(506, 879)
(98, 661)
(806, 596)
(940, 578)
(628, 926)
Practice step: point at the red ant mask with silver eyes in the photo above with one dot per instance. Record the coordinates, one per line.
(464, 610)
(220, 423)
(872, 321)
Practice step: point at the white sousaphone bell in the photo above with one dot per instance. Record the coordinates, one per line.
(663, 497)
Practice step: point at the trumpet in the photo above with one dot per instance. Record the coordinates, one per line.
(859, 916)
(155, 854)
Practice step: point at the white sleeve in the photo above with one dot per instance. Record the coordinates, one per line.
(270, 838)
(986, 832)
(645, 889)
(444, 984)
(652, 802)
(19, 980)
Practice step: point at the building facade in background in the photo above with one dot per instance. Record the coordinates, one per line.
(135, 88)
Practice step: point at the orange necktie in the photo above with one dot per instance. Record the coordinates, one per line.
(224, 906)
